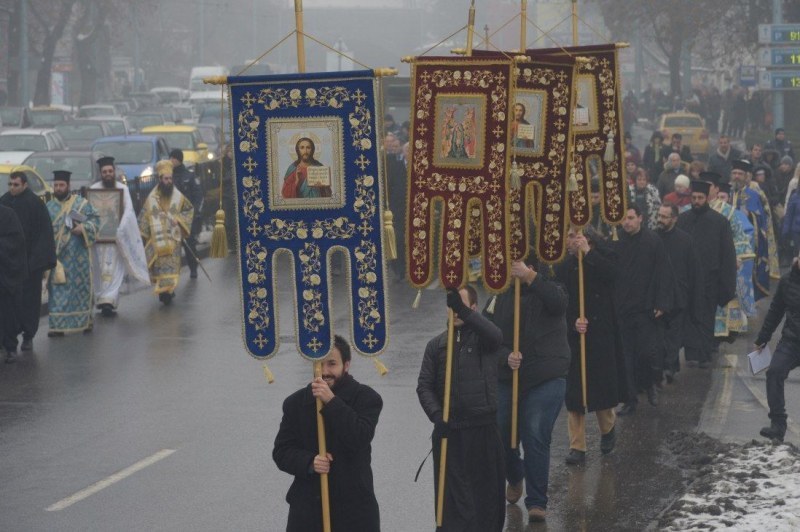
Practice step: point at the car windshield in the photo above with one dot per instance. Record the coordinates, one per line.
(138, 122)
(208, 135)
(23, 143)
(80, 166)
(90, 132)
(127, 152)
(117, 127)
(96, 111)
(46, 118)
(169, 96)
(184, 112)
(682, 121)
(10, 115)
(182, 141)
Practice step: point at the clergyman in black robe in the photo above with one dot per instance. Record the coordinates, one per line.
(13, 272)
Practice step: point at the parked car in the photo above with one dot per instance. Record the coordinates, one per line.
(145, 99)
(14, 117)
(119, 125)
(80, 134)
(36, 182)
(135, 157)
(82, 164)
(47, 116)
(171, 94)
(210, 135)
(692, 128)
(105, 109)
(186, 113)
(186, 138)
(143, 119)
(31, 139)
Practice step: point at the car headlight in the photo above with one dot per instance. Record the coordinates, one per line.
(147, 173)
(210, 156)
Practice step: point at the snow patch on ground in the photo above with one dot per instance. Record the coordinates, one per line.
(755, 486)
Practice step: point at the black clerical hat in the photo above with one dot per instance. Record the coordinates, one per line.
(61, 175)
(712, 177)
(105, 161)
(742, 164)
(701, 186)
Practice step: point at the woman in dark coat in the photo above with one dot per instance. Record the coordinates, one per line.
(604, 364)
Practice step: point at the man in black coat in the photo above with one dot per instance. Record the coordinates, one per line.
(786, 302)
(13, 272)
(474, 478)
(642, 295)
(685, 267)
(543, 363)
(188, 184)
(350, 411)
(720, 161)
(40, 249)
(712, 240)
(605, 365)
(676, 146)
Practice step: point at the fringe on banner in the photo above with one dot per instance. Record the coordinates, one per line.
(219, 239)
(608, 156)
(415, 304)
(268, 374)
(390, 239)
(382, 369)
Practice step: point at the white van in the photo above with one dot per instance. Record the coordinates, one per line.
(198, 73)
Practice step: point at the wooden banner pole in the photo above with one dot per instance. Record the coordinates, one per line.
(582, 316)
(448, 375)
(515, 373)
(301, 47)
(323, 450)
(470, 28)
(523, 28)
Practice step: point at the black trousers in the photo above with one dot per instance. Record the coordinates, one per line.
(643, 352)
(785, 358)
(8, 324)
(29, 308)
(673, 330)
(191, 242)
(700, 341)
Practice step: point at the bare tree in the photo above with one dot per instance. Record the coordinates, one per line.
(49, 22)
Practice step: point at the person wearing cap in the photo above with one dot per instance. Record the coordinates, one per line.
(165, 221)
(749, 198)
(681, 197)
(40, 249)
(781, 144)
(126, 255)
(732, 318)
(69, 287)
(712, 240)
(188, 185)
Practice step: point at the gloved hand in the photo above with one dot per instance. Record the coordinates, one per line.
(455, 302)
(441, 428)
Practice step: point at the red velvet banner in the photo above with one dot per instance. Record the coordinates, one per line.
(459, 160)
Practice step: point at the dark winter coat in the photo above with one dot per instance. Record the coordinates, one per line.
(188, 185)
(35, 220)
(786, 301)
(687, 289)
(542, 332)
(644, 276)
(723, 165)
(605, 366)
(13, 262)
(473, 389)
(791, 220)
(350, 420)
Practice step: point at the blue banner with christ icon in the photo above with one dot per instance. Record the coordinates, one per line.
(308, 184)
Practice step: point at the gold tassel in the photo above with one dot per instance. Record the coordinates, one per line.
(219, 239)
(382, 370)
(609, 155)
(390, 250)
(59, 275)
(614, 235)
(268, 374)
(516, 181)
(490, 306)
(572, 182)
(415, 304)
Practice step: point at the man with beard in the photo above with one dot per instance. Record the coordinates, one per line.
(750, 199)
(642, 295)
(685, 269)
(188, 184)
(165, 220)
(40, 250)
(474, 473)
(712, 240)
(70, 294)
(295, 179)
(543, 364)
(605, 367)
(350, 411)
(126, 255)
(13, 272)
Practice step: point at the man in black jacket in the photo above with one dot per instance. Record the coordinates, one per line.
(543, 363)
(187, 183)
(13, 271)
(642, 295)
(474, 478)
(41, 256)
(350, 411)
(787, 354)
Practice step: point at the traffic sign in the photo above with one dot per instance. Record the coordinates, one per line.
(779, 33)
(779, 57)
(747, 75)
(779, 80)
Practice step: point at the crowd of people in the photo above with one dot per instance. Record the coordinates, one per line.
(60, 242)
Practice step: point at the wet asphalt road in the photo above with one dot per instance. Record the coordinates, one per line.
(157, 379)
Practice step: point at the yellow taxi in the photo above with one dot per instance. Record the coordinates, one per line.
(185, 138)
(36, 183)
(692, 128)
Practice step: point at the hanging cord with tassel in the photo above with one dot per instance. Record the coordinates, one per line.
(268, 374)
(382, 369)
(219, 238)
(389, 236)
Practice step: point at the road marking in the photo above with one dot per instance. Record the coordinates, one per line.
(108, 481)
(722, 404)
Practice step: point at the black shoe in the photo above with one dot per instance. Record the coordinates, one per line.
(669, 375)
(652, 395)
(608, 441)
(107, 310)
(10, 357)
(27, 344)
(166, 297)
(54, 334)
(575, 457)
(193, 274)
(775, 431)
(627, 409)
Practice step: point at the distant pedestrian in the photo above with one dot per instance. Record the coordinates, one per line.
(187, 183)
(781, 144)
(651, 159)
(40, 250)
